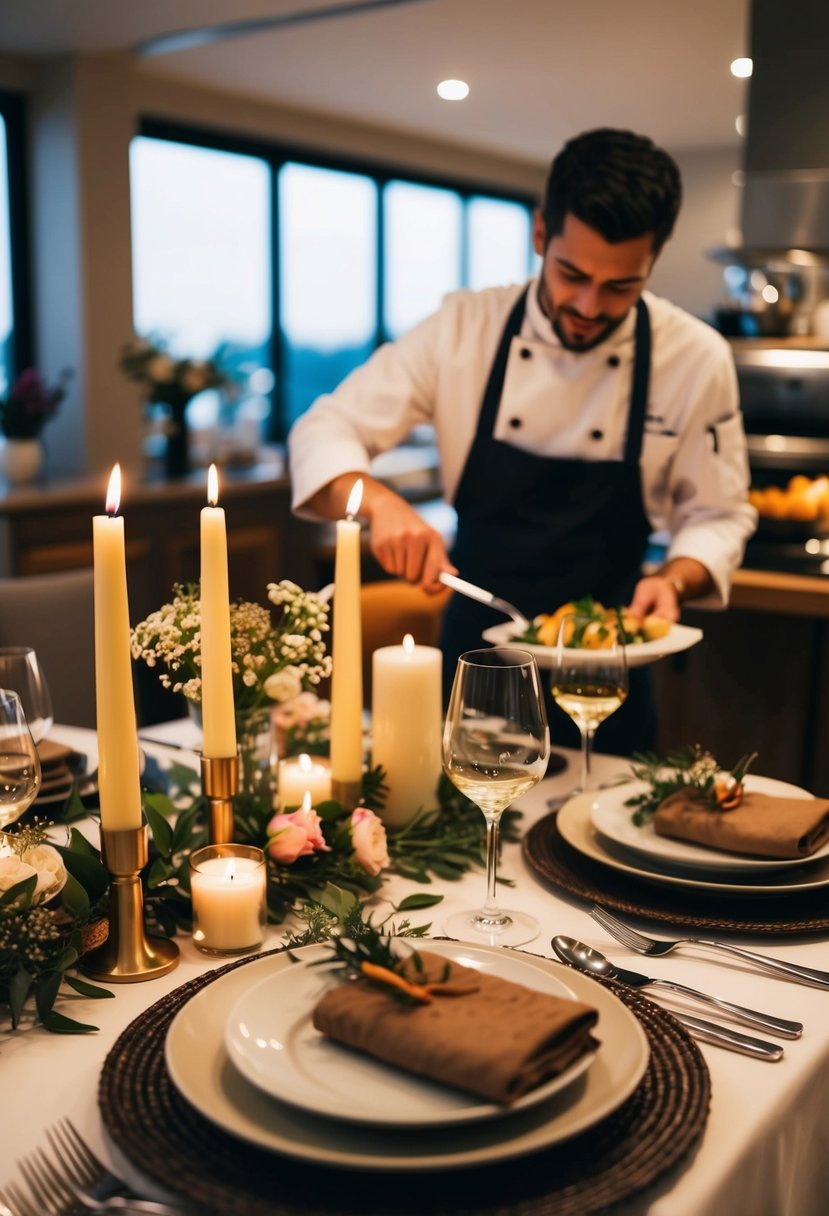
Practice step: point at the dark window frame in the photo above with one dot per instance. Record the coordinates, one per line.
(277, 153)
(13, 110)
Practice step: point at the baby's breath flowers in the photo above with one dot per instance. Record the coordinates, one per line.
(271, 663)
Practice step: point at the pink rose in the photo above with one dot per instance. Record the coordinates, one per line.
(368, 837)
(296, 835)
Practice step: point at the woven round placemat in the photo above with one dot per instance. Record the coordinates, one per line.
(549, 854)
(166, 1138)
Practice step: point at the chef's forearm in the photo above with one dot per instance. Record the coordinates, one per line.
(330, 501)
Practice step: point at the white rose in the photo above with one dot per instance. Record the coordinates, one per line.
(283, 685)
(12, 871)
(51, 873)
(161, 369)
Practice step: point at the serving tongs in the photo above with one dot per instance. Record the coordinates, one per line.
(484, 597)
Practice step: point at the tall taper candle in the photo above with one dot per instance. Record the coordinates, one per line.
(347, 654)
(118, 779)
(218, 721)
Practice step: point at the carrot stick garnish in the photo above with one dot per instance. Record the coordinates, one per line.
(382, 975)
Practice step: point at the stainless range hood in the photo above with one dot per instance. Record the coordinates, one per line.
(786, 197)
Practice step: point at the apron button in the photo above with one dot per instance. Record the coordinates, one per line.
(526, 353)
(515, 423)
(597, 434)
(613, 361)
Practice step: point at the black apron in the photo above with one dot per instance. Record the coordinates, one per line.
(540, 531)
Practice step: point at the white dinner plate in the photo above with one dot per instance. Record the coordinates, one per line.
(614, 821)
(272, 1041)
(678, 637)
(576, 827)
(202, 1072)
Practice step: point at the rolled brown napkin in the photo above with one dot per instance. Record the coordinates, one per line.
(762, 825)
(488, 1036)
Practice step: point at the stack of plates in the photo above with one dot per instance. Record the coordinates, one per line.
(58, 766)
(244, 1053)
(600, 826)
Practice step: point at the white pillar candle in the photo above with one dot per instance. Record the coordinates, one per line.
(227, 884)
(299, 775)
(118, 779)
(406, 726)
(347, 650)
(218, 721)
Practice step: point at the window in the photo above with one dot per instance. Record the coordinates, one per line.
(327, 279)
(500, 245)
(201, 250)
(298, 269)
(6, 308)
(423, 233)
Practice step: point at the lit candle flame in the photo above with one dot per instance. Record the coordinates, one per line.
(114, 491)
(306, 800)
(354, 499)
(305, 762)
(230, 869)
(212, 485)
(408, 644)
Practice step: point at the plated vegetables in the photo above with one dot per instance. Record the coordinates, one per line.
(598, 627)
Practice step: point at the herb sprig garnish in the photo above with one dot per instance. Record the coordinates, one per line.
(689, 768)
(369, 956)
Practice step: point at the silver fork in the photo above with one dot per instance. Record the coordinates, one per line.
(91, 1182)
(656, 946)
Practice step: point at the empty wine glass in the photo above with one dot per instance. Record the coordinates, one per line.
(20, 672)
(495, 747)
(19, 762)
(590, 679)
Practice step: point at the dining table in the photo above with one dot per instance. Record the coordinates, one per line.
(764, 1147)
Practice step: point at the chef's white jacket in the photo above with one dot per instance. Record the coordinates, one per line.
(694, 463)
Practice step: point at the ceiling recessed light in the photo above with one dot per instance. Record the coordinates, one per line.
(453, 90)
(742, 67)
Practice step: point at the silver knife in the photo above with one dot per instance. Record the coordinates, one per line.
(751, 1017)
(733, 1040)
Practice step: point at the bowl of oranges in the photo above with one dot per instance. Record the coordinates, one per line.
(794, 511)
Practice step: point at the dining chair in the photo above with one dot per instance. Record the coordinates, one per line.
(53, 614)
(391, 608)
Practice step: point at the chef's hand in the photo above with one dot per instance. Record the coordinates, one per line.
(683, 578)
(655, 594)
(401, 540)
(403, 543)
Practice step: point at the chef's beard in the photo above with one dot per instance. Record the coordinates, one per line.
(609, 324)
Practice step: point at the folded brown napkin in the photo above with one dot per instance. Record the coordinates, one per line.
(54, 755)
(490, 1036)
(762, 824)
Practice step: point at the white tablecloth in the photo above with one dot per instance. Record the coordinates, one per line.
(765, 1150)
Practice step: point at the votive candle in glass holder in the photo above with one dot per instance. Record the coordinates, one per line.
(228, 885)
(300, 773)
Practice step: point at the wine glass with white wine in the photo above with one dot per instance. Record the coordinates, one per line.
(495, 748)
(590, 679)
(19, 762)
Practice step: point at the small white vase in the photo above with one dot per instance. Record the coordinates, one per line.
(20, 460)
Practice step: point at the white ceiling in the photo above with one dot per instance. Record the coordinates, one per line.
(538, 70)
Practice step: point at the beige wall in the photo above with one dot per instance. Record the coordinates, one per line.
(85, 110)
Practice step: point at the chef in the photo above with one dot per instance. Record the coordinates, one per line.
(575, 415)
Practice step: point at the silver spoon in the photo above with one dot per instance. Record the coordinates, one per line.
(484, 597)
(592, 962)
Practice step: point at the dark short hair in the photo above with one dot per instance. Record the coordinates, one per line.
(619, 183)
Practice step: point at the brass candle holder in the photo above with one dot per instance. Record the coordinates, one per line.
(347, 793)
(128, 956)
(220, 784)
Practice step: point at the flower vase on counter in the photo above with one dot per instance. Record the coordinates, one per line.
(177, 450)
(20, 460)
